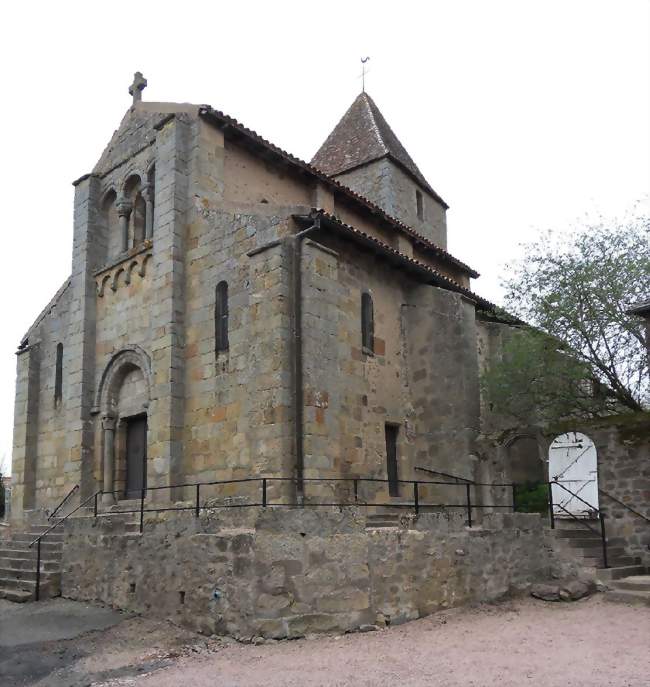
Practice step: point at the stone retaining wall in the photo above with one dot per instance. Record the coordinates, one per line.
(624, 474)
(286, 573)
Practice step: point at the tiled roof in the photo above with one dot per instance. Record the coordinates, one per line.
(231, 125)
(363, 135)
(430, 273)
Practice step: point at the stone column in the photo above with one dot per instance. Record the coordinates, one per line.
(108, 425)
(147, 194)
(124, 208)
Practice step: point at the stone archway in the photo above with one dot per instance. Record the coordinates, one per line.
(122, 400)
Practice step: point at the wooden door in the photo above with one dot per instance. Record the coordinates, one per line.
(391, 459)
(136, 456)
(572, 462)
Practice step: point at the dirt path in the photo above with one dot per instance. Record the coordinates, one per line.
(590, 643)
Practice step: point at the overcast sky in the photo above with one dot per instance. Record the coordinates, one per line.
(523, 115)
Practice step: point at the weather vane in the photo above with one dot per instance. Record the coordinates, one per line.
(363, 73)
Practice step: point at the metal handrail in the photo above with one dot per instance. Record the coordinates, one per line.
(37, 541)
(65, 498)
(602, 534)
(589, 505)
(415, 503)
(636, 512)
(445, 474)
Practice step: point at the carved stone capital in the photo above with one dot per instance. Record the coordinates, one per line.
(124, 208)
(108, 422)
(147, 192)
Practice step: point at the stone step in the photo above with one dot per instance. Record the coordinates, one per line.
(14, 583)
(29, 537)
(580, 524)
(30, 554)
(581, 543)
(29, 575)
(617, 562)
(582, 533)
(628, 596)
(17, 595)
(639, 583)
(45, 545)
(616, 573)
(29, 563)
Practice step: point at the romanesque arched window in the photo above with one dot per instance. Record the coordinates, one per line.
(221, 317)
(419, 204)
(367, 324)
(58, 374)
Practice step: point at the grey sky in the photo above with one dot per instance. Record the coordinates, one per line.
(522, 115)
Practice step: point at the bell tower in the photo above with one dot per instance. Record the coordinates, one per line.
(363, 153)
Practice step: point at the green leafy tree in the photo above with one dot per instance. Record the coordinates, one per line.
(535, 381)
(587, 355)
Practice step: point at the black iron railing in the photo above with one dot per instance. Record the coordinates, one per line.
(621, 503)
(417, 501)
(63, 501)
(261, 498)
(592, 509)
(38, 540)
(445, 474)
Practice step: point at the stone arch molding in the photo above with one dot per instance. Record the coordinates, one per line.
(119, 366)
(126, 360)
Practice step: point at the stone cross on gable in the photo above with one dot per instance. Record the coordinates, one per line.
(136, 88)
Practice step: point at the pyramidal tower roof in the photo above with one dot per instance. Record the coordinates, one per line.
(363, 135)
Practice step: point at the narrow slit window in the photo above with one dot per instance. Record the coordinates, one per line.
(58, 374)
(391, 459)
(419, 204)
(367, 324)
(221, 317)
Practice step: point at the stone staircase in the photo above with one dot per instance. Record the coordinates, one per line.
(633, 589)
(626, 579)
(18, 565)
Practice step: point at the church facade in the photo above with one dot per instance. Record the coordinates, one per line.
(234, 312)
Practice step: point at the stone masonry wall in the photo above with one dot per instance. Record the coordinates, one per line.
(392, 189)
(623, 452)
(422, 376)
(38, 482)
(287, 573)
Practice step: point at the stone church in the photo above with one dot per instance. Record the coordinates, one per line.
(235, 312)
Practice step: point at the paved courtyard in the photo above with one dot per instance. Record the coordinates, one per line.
(526, 642)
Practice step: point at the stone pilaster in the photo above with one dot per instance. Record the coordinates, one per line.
(24, 455)
(165, 450)
(88, 252)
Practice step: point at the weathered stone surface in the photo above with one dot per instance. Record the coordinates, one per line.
(275, 579)
(571, 590)
(546, 592)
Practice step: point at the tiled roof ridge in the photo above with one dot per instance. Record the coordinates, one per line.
(396, 223)
(368, 100)
(417, 263)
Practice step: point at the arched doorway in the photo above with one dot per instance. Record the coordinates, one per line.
(123, 400)
(572, 463)
(527, 472)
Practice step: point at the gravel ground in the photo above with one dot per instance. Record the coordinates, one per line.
(533, 643)
(512, 644)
